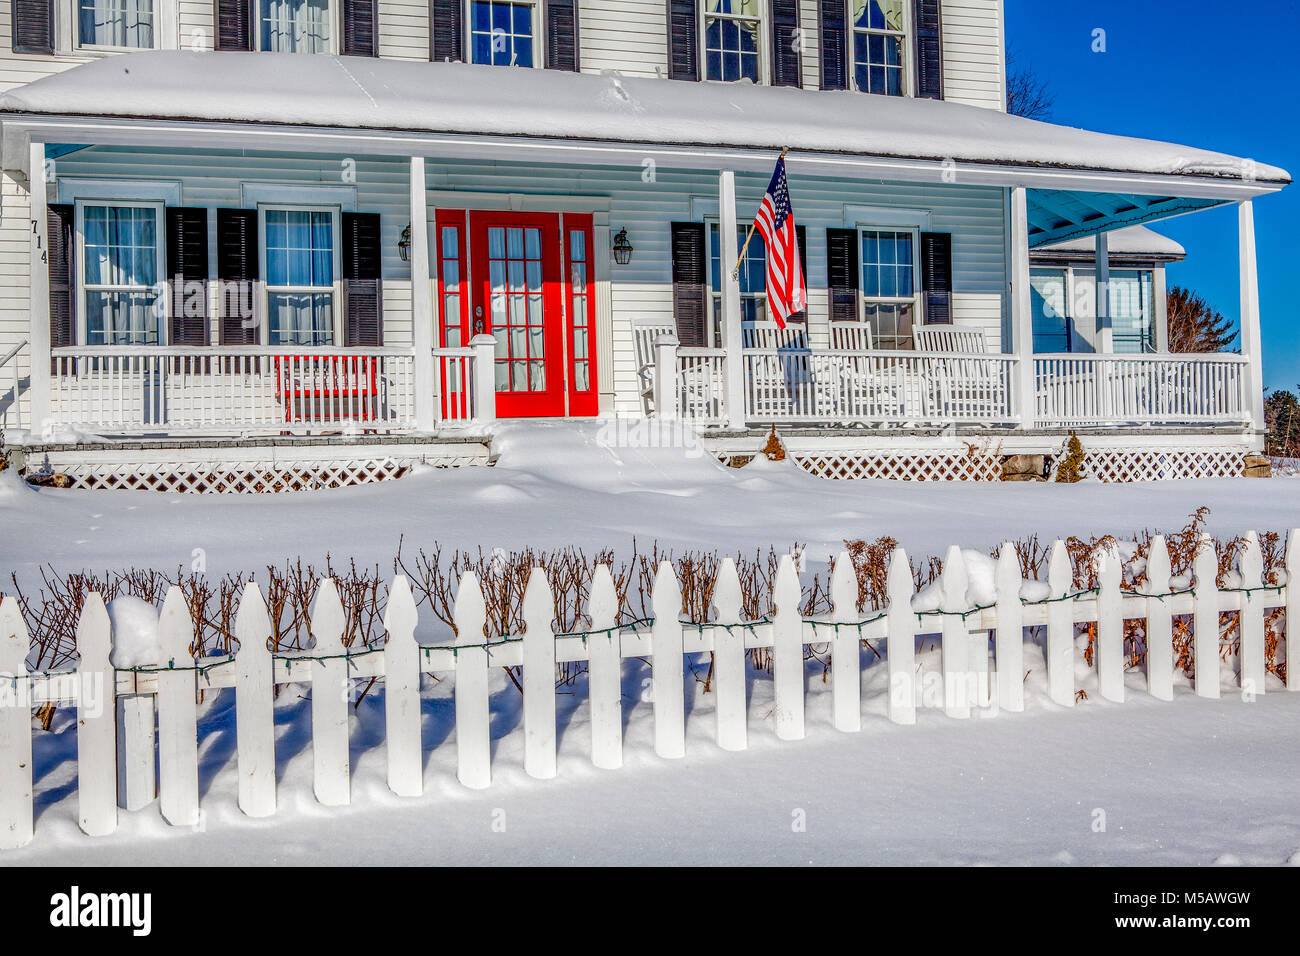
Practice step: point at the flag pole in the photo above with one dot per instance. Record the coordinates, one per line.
(735, 270)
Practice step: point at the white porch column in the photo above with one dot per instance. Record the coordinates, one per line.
(422, 338)
(38, 392)
(1250, 333)
(730, 320)
(1161, 318)
(1023, 392)
(1105, 331)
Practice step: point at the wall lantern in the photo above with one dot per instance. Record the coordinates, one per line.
(404, 243)
(622, 248)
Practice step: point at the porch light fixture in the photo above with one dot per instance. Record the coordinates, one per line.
(622, 248)
(404, 244)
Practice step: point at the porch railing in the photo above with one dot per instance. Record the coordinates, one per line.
(1167, 389)
(11, 416)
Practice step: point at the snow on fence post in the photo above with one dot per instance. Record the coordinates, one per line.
(729, 659)
(1205, 618)
(605, 671)
(668, 669)
(473, 736)
(15, 729)
(1009, 639)
(957, 674)
(329, 699)
(846, 655)
(96, 720)
(178, 744)
(254, 704)
(1059, 645)
(900, 650)
(1293, 609)
(1160, 642)
(1110, 625)
(787, 652)
(539, 677)
(1250, 660)
(402, 692)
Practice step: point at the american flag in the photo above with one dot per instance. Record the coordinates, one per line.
(786, 292)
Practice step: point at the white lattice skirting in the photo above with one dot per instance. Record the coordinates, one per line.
(1116, 465)
(945, 466)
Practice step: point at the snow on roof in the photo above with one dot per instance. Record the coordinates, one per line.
(1131, 240)
(373, 93)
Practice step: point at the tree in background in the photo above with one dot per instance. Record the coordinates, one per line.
(1028, 94)
(1194, 326)
(1282, 424)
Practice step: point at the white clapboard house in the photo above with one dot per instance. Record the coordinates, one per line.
(321, 239)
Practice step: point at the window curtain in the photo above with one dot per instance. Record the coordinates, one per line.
(121, 249)
(882, 15)
(124, 23)
(295, 26)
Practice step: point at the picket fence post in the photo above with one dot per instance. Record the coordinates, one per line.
(957, 673)
(1110, 625)
(178, 746)
(846, 654)
(729, 659)
(605, 672)
(402, 692)
(1250, 660)
(1205, 618)
(668, 669)
(255, 704)
(96, 721)
(1059, 646)
(15, 729)
(1160, 640)
(473, 727)
(900, 649)
(329, 700)
(787, 652)
(539, 677)
(1293, 609)
(1009, 638)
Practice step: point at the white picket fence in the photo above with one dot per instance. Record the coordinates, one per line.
(109, 745)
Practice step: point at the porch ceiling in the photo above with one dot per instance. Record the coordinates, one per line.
(1058, 215)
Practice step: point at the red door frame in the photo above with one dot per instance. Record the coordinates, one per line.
(579, 289)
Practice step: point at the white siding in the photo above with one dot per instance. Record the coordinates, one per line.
(404, 29)
(973, 71)
(630, 36)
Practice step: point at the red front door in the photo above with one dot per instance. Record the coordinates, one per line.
(523, 278)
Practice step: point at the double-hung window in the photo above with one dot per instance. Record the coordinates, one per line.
(121, 24)
(1132, 307)
(889, 285)
(1049, 293)
(295, 26)
(502, 33)
(753, 282)
(119, 271)
(302, 266)
(733, 40)
(879, 41)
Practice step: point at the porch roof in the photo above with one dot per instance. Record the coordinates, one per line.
(330, 92)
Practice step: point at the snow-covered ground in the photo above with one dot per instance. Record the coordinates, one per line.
(1192, 781)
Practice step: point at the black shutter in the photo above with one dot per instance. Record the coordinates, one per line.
(787, 65)
(801, 238)
(690, 308)
(187, 261)
(562, 35)
(842, 273)
(59, 256)
(445, 25)
(360, 28)
(683, 41)
(936, 277)
(234, 25)
(929, 49)
(237, 269)
(833, 33)
(33, 26)
(362, 297)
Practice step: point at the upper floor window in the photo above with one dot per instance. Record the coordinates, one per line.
(879, 39)
(295, 26)
(502, 33)
(732, 40)
(125, 24)
(889, 286)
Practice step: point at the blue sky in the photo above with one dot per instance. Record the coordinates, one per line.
(1200, 73)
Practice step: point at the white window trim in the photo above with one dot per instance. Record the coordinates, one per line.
(539, 41)
(878, 217)
(764, 44)
(166, 30)
(336, 27)
(160, 268)
(909, 49)
(73, 189)
(336, 289)
(298, 194)
(915, 299)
